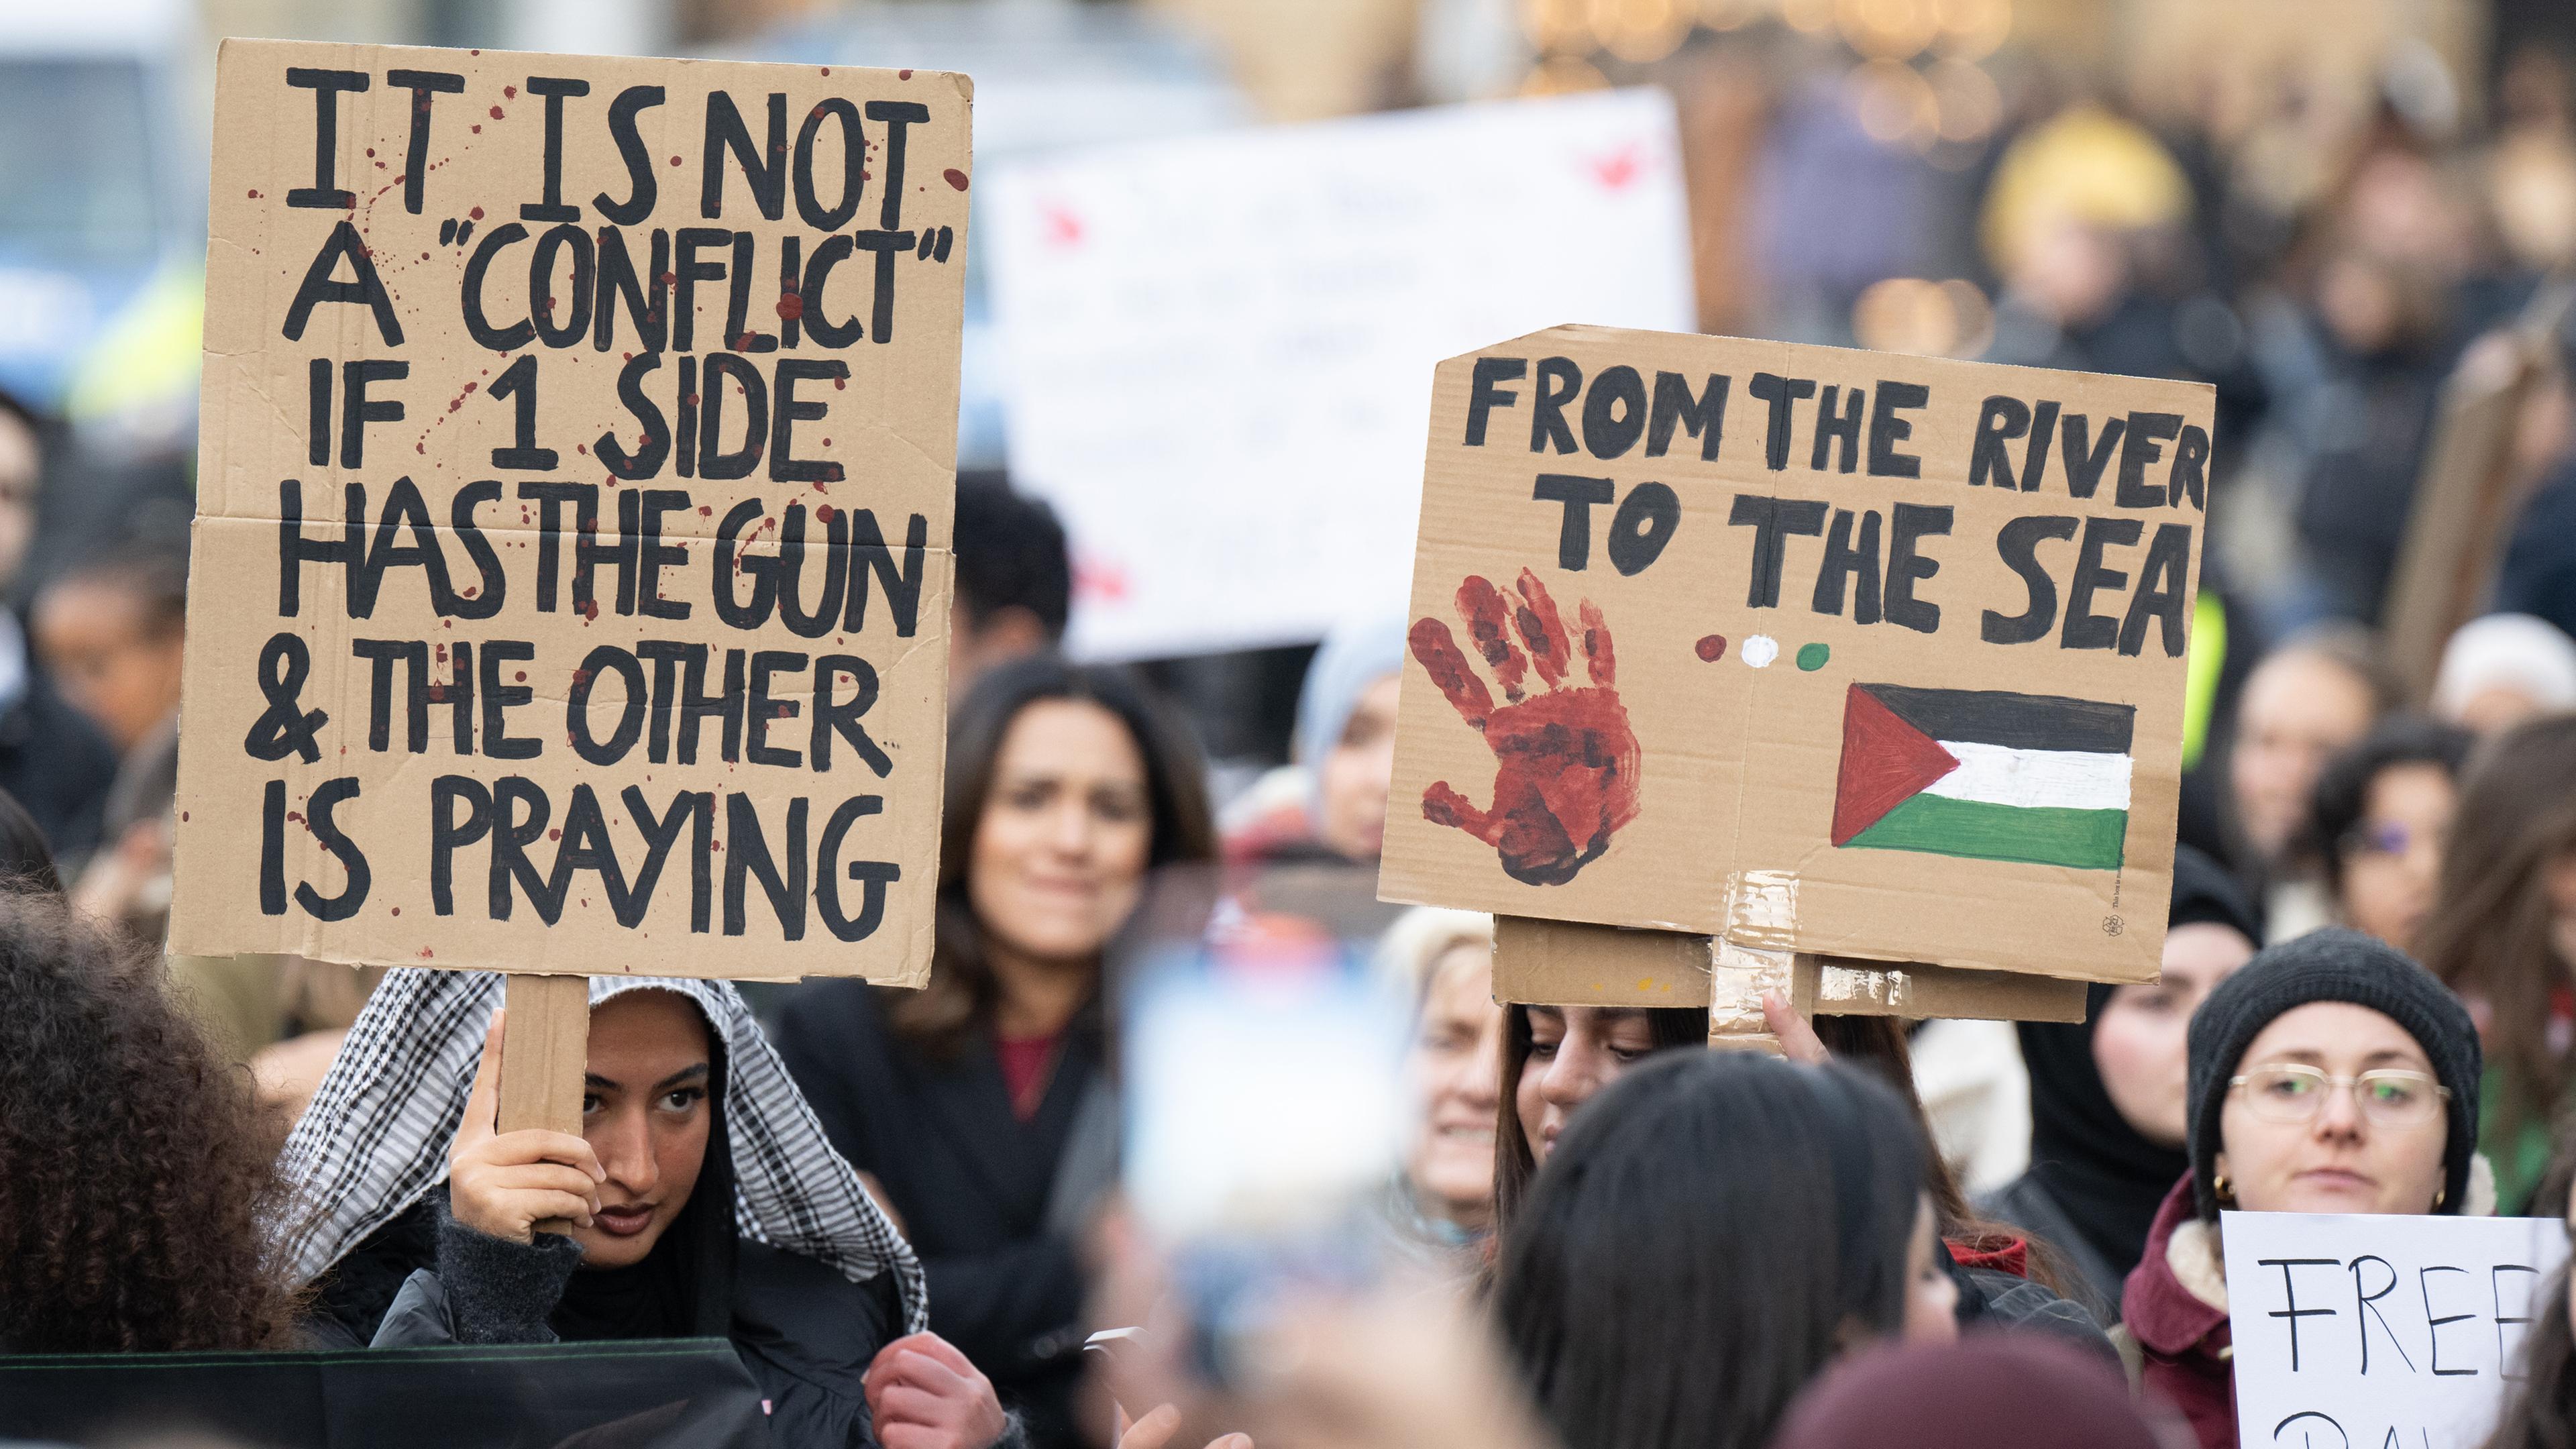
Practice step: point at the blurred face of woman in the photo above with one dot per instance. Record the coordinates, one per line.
(2139, 1043)
(2343, 1157)
(1067, 826)
(1575, 1051)
(2298, 709)
(2394, 859)
(1931, 1298)
(1351, 781)
(1458, 1060)
(111, 663)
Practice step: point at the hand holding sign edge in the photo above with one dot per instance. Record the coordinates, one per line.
(1567, 763)
(502, 1184)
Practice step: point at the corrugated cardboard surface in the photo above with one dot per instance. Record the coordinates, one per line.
(890, 428)
(1569, 963)
(1734, 801)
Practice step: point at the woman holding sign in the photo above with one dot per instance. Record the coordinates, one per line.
(2330, 1075)
(701, 1197)
(980, 1103)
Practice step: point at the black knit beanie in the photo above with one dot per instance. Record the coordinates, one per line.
(2333, 964)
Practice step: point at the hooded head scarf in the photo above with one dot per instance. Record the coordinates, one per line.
(2106, 1175)
(2509, 651)
(375, 1142)
(1357, 654)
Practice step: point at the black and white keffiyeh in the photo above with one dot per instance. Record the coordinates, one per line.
(376, 1137)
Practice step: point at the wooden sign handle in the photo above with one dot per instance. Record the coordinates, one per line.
(544, 1048)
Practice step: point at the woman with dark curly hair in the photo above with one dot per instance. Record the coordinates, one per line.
(134, 1177)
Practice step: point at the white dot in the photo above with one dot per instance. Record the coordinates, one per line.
(1760, 650)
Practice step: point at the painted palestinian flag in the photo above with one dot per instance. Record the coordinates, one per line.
(1985, 774)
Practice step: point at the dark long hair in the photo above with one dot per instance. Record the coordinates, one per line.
(2489, 933)
(1699, 1247)
(1875, 1044)
(962, 994)
(134, 1171)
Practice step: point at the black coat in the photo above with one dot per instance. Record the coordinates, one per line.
(57, 765)
(970, 1180)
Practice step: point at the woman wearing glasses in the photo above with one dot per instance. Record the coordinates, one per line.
(2330, 1075)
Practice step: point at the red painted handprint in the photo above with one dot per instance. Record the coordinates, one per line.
(1565, 760)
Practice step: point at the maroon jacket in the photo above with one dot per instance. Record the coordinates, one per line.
(2188, 1353)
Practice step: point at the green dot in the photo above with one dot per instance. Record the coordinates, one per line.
(1812, 657)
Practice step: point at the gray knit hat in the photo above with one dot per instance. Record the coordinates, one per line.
(2332, 965)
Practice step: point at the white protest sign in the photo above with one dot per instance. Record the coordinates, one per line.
(2377, 1331)
(1218, 350)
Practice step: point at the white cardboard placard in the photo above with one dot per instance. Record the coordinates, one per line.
(1219, 349)
(2379, 1331)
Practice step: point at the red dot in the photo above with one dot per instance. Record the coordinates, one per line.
(675, 160)
(1711, 647)
(496, 113)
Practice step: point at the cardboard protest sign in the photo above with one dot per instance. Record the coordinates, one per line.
(2355, 1330)
(1215, 348)
(571, 569)
(1809, 650)
(1572, 963)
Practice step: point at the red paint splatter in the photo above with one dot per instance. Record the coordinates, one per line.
(510, 93)
(397, 910)
(523, 676)
(1711, 647)
(478, 128)
(955, 177)
(840, 384)
(554, 835)
(496, 113)
(675, 160)
(706, 510)
(427, 954)
(790, 306)
(1567, 763)
(183, 817)
(437, 693)
(590, 610)
(825, 512)
(1617, 169)
(371, 150)
(903, 75)
(254, 196)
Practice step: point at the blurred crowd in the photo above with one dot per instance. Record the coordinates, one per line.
(903, 1208)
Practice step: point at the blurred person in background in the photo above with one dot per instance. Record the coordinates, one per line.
(700, 1199)
(2330, 1075)
(1558, 1059)
(2382, 302)
(52, 757)
(1978, 1393)
(980, 1104)
(2108, 1094)
(2503, 935)
(1444, 960)
(2540, 1405)
(1699, 1248)
(1331, 799)
(135, 1183)
(1014, 579)
(113, 628)
(2502, 669)
(2377, 821)
(2313, 696)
